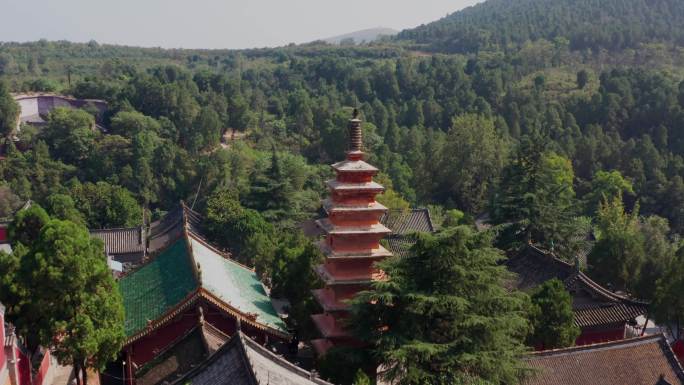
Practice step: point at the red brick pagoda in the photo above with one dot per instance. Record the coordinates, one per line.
(352, 240)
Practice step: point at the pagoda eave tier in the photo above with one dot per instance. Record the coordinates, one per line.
(353, 166)
(332, 207)
(352, 277)
(379, 253)
(348, 187)
(327, 300)
(329, 228)
(329, 327)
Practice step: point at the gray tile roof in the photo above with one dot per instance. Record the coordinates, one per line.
(408, 221)
(639, 361)
(403, 224)
(119, 242)
(242, 361)
(184, 354)
(593, 305)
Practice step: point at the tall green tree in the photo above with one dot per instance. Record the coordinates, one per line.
(130, 123)
(551, 317)
(536, 196)
(27, 224)
(62, 206)
(106, 206)
(9, 201)
(668, 304)
(618, 254)
(70, 134)
(582, 79)
(444, 316)
(472, 161)
(292, 276)
(241, 230)
(65, 297)
(271, 191)
(9, 111)
(659, 254)
(606, 185)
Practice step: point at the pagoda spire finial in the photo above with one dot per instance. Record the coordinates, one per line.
(355, 136)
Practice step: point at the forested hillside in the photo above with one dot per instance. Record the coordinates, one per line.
(557, 122)
(584, 24)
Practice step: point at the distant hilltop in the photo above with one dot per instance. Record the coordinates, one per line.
(363, 36)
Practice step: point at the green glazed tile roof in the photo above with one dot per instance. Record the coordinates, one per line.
(235, 285)
(157, 287)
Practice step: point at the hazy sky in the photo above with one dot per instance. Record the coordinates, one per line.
(210, 23)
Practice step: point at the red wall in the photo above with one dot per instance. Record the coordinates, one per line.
(42, 371)
(2, 341)
(148, 347)
(678, 348)
(3, 234)
(23, 368)
(593, 336)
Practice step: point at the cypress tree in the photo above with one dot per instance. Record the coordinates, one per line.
(443, 316)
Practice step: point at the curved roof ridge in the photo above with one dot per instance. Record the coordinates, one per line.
(217, 354)
(198, 238)
(115, 229)
(550, 254)
(245, 340)
(609, 344)
(595, 286)
(599, 289)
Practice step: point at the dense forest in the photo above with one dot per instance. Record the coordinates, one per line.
(582, 24)
(521, 121)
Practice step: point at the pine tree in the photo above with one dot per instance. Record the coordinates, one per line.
(551, 317)
(271, 192)
(536, 197)
(618, 255)
(443, 316)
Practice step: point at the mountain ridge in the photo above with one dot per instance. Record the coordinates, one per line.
(362, 36)
(585, 24)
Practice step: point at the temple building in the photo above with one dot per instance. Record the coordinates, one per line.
(636, 361)
(35, 107)
(403, 224)
(601, 314)
(352, 240)
(127, 246)
(185, 284)
(243, 361)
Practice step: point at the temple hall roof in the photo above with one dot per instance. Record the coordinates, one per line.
(188, 269)
(593, 304)
(123, 242)
(408, 221)
(403, 223)
(169, 228)
(184, 354)
(242, 361)
(638, 361)
(157, 287)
